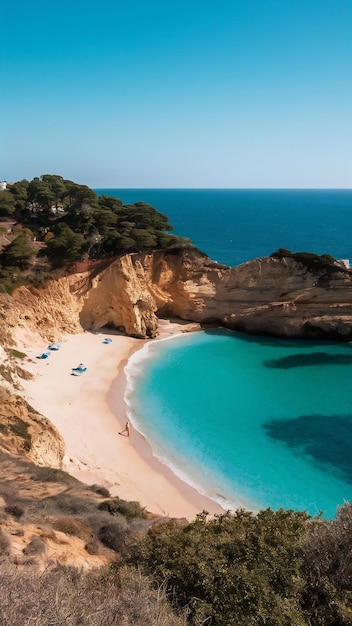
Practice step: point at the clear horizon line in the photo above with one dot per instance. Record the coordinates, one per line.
(231, 188)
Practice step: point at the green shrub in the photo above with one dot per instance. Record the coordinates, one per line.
(19, 252)
(116, 506)
(327, 570)
(17, 354)
(313, 262)
(235, 569)
(113, 535)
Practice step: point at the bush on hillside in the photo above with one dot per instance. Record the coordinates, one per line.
(235, 569)
(327, 570)
(313, 262)
(116, 506)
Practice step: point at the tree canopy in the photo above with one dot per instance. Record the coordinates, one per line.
(70, 220)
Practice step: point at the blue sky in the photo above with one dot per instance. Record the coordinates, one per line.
(175, 93)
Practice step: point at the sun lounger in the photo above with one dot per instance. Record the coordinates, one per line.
(78, 371)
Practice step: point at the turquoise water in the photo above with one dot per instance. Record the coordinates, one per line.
(263, 420)
(260, 421)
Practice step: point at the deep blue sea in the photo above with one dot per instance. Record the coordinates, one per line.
(251, 420)
(236, 225)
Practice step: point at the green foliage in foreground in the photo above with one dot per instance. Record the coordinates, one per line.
(278, 568)
(235, 569)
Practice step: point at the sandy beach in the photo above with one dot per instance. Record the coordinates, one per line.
(90, 414)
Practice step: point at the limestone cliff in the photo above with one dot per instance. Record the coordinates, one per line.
(282, 297)
(23, 431)
(26, 433)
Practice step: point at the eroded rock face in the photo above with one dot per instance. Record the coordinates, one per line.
(279, 297)
(120, 296)
(26, 433)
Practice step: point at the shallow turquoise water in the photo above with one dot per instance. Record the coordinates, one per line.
(263, 420)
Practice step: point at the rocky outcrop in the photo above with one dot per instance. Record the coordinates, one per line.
(276, 296)
(23, 431)
(44, 314)
(122, 296)
(281, 297)
(26, 433)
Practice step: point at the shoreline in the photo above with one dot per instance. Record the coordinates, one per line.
(89, 412)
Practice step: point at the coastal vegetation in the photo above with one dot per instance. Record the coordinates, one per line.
(313, 262)
(281, 568)
(50, 222)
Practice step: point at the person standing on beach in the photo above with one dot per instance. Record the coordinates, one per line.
(127, 430)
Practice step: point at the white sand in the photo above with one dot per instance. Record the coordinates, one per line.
(90, 413)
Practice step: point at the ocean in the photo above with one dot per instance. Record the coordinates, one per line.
(252, 420)
(235, 225)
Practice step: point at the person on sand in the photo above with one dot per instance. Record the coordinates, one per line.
(126, 432)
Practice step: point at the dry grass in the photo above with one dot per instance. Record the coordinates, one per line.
(36, 503)
(39, 502)
(72, 526)
(4, 544)
(65, 597)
